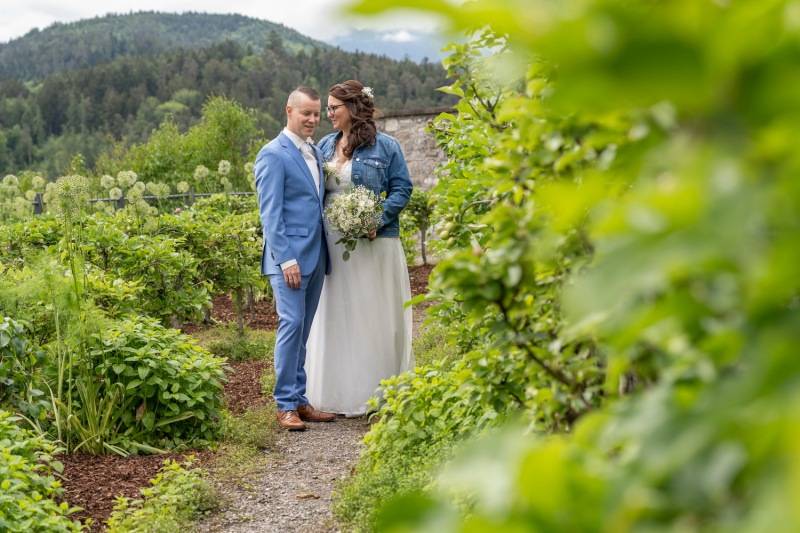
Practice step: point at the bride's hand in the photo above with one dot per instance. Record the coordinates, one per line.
(372, 234)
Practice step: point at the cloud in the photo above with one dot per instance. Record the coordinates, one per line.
(401, 36)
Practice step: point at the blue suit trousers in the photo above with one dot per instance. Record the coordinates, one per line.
(296, 309)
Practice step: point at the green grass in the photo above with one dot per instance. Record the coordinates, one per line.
(223, 341)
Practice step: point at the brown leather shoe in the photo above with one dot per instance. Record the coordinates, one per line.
(289, 420)
(309, 414)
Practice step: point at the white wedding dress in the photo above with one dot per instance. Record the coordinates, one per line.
(361, 333)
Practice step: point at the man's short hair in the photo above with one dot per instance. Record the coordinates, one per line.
(308, 91)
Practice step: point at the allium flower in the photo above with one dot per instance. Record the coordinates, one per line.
(70, 193)
(115, 193)
(150, 225)
(249, 166)
(38, 182)
(11, 180)
(224, 167)
(135, 194)
(126, 178)
(140, 208)
(107, 182)
(139, 186)
(22, 207)
(182, 187)
(200, 173)
(160, 191)
(367, 91)
(226, 183)
(30, 195)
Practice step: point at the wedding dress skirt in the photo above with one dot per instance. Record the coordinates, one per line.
(361, 333)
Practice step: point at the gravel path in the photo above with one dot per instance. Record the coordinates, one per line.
(294, 493)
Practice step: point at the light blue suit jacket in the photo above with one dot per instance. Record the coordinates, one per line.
(290, 207)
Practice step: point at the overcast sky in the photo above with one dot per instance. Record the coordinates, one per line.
(319, 19)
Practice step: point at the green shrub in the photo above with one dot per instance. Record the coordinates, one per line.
(423, 418)
(27, 487)
(170, 388)
(20, 360)
(177, 498)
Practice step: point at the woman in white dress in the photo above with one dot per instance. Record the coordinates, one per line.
(361, 333)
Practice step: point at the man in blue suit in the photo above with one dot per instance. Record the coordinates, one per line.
(290, 181)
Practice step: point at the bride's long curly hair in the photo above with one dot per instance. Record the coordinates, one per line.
(362, 110)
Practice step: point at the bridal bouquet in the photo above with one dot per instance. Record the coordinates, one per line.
(352, 214)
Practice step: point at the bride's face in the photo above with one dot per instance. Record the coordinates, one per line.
(339, 114)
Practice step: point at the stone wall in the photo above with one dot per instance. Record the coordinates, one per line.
(421, 153)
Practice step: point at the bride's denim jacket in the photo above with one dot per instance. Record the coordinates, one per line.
(380, 167)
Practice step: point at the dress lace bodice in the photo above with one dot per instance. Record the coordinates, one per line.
(340, 179)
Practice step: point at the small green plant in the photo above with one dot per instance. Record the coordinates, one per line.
(28, 489)
(415, 221)
(178, 496)
(244, 349)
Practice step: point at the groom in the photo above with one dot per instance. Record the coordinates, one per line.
(295, 257)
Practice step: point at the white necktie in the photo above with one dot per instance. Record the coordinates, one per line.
(311, 161)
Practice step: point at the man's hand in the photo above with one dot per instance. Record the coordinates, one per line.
(292, 276)
(372, 234)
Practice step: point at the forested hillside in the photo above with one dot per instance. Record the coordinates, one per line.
(61, 47)
(44, 123)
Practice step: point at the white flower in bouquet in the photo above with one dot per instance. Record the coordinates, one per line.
(331, 173)
(353, 214)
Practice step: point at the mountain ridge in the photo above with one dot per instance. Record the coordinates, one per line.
(102, 39)
(64, 46)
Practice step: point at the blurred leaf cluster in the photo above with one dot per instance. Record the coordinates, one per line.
(619, 272)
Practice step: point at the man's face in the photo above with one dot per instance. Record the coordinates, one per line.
(303, 118)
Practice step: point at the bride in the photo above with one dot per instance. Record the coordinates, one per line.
(361, 332)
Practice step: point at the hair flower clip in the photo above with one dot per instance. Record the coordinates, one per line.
(367, 91)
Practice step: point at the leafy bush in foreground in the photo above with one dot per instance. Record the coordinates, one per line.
(27, 485)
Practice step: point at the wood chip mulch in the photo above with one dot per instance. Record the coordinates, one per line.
(93, 482)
